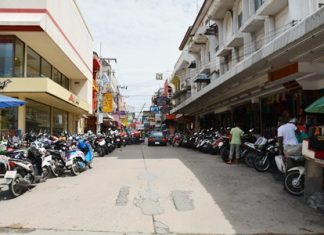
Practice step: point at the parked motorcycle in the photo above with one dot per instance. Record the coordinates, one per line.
(263, 162)
(294, 176)
(78, 159)
(24, 173)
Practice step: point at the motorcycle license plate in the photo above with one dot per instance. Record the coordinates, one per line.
(157, 142)
(10, 175)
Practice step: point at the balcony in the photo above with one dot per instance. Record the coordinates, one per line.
(271, 7)
(223, 51)
(196, 43)
(236, 40)
(254, 23)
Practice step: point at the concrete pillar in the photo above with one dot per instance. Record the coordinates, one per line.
(313, 178)
(246, 10)
(251, 7)
(220, 33)
(70, 126)
(269, 29)
(256, 114)
(22, 116)
(197, 123)
(249, 44)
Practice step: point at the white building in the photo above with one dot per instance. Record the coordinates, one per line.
(46, 53)
(254, 58)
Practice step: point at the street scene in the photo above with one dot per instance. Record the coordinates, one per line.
(141, 189)
(161, 117)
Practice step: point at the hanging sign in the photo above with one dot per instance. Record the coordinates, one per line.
(107, 103)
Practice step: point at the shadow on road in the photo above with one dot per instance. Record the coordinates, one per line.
(250, 201)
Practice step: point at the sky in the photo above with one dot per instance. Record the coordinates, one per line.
(144, 36)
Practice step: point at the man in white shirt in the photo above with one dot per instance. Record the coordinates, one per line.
(287, 139)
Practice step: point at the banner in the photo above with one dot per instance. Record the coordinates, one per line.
(124, 121)
(107, 103)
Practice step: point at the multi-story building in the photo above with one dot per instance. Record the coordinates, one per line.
(46, 57)
(253, 60)
(267, 60)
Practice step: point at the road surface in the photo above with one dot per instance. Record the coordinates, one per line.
(140, 189)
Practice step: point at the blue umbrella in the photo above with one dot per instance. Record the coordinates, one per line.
(7, 102)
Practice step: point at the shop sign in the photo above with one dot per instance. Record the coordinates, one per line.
(283, 72)
(159, 76)
(154, 109)
(124, 121)
(74, 99)
(4, 84)
(107, 103)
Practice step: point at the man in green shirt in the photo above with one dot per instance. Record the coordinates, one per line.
(235, 143)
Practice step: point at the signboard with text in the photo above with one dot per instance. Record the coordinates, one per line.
(107, 103)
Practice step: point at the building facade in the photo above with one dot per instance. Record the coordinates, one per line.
(45, 59)
(253, 60)
(256, 62)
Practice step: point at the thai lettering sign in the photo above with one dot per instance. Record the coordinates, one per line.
(107, 103)
(4, 84)
(74, 99)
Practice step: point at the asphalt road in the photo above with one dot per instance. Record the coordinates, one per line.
(140, 189)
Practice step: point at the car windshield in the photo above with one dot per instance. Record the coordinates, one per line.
(156, 134)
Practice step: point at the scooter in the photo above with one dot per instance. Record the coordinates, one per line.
(22, 174)
(295, 176)
(78, 159)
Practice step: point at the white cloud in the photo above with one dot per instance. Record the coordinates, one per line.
(144, 35)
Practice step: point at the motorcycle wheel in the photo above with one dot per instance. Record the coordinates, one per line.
(46, 172)
(249, 159)
(75, 170)
(101, 152)
(56, 171)
(261, 164)
(15, 190)
(224, 152)
(293, 185)
(90, 165)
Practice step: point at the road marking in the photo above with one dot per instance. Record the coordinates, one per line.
(182, 200)
(122, 199)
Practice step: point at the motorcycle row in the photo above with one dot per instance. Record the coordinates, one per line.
(24, 163)
(256, 152)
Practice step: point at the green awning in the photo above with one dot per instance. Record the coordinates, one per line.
(316, 107)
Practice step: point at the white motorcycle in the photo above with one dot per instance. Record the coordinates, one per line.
(295, 176)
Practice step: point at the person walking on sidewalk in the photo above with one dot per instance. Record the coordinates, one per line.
(235, 143)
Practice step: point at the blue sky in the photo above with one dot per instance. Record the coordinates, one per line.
(144, 36)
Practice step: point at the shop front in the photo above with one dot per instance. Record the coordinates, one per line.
(50, 108)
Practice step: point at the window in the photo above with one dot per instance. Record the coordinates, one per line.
(56, 76)
(65, 82)
(9, 118)
(33, 63)
(38, 117)
(6, 58)
(46, 69)
(19, 58)
(60, 119)
(240, 19)
(258, 4)
(11, 57)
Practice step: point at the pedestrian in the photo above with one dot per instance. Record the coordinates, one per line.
(287, 139)
(235, 143)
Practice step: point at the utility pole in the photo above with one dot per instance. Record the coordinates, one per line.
(140, 111)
